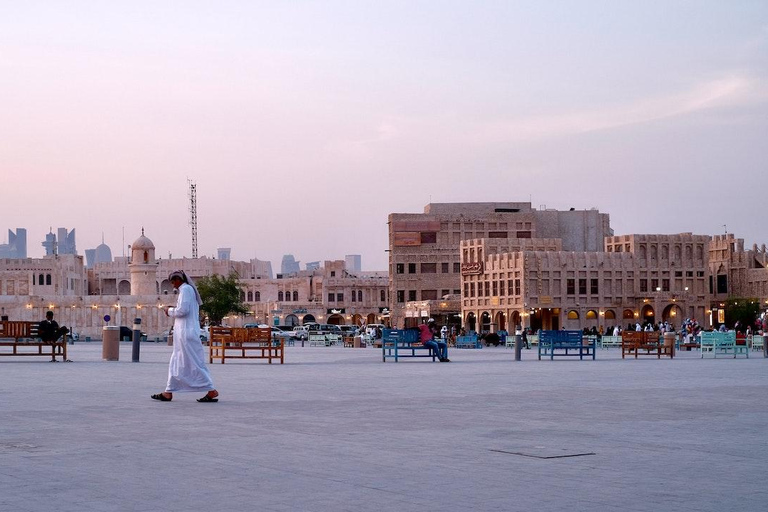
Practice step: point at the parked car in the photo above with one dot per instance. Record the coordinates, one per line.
(349, 330)
(127, 332)
(278, 333)
(73, 335)
(301, 332)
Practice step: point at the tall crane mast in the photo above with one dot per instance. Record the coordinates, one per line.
(193, 214)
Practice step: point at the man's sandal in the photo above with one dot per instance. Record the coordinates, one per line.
(207, 398)
(161, 397)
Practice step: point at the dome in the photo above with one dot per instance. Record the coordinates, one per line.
(142, 243)
(103, 254)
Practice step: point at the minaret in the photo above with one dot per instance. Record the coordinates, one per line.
(143, 267)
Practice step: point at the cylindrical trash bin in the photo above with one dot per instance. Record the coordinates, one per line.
(358, 342)
(669, 343)
(110, 344)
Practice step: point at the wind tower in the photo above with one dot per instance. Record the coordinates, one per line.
(193, 214)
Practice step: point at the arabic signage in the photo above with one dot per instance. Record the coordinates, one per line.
(471, 268)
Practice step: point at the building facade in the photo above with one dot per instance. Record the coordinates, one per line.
(424, 249)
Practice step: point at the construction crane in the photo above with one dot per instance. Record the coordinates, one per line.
(193, 214)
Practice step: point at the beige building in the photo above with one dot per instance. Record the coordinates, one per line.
(424, 256)
(137, 287)
(637, 278)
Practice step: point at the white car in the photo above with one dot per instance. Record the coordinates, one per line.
(301, 332)
(286, 335)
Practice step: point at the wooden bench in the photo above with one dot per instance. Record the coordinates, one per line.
(565, 343)
(468, 342)
(397, 343)
(244, 343)
(22, 340)
(723, 343)
(645, 343)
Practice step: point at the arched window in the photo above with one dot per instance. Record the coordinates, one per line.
(654, 253)
(359, 295)
(295, 296)
(41, 280)
(591, 314)
(250, 296)
(699, 252)
(280, 296)
(642, 252)
(257, 296)
(242, 296)
(628, 314)
(48, 279)
(573, 315)
(664, 252)
(678, 253)
(688, 252)
(146, 257)
(610, 315)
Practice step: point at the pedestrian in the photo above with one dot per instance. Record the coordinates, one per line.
(187, 370)
(49, 332)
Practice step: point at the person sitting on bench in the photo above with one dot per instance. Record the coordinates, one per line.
(427, 334)
(49, 331)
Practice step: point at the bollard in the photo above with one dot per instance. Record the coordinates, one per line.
(518, 347)
(136, 340)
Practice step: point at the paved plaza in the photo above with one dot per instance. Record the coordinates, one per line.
(335, 429)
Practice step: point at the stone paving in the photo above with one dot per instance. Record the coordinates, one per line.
(335, 429)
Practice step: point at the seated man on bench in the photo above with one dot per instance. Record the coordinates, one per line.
(426, 336)
(49, 331)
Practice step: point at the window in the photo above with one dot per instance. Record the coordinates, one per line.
(466, 289)
(479, 289)
(456, 292)
(48, 279)
(400, 295)
(511, 287)
(429, 237)
(573, 315)
(280, 296)
(665, 285)
(722, 283)
(257, 296)
(654, 284)
(487, 289)
(689, 273)
(593, 286)
(331, 297)
(523, 234)
(400, 268)
(495, 288)
(429, 268)
(570, 287)
(339, 297)
(360, 295)
(333, 273)
(582, 286)
(497, 234)
(428, 294)
(354, 296)
(411, 295)
(444, 293)
(384, 296)
(40, 280)
(456, 268)
(643, 285)
(517, 287)
(411, 268)
(295, 296)
(250, 296)
(445, 268)
(501, 288)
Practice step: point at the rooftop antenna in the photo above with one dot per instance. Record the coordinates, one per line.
(193, 214)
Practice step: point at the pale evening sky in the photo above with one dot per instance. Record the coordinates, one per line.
(304, 123)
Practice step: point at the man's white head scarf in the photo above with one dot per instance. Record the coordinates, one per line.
(188, 280)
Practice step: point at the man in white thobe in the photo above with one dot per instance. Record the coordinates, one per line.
(187, 370)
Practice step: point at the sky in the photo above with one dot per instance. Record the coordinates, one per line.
(304, 124)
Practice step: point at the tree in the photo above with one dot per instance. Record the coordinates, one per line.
(221, 296)
(744, 311)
